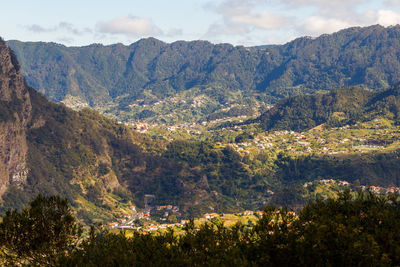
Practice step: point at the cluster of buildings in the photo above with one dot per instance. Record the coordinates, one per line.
(328, 181)
(265, 142)
(303, 143)
(210, 215)
(128, 222)
(153, 227)
(141, 127)
(168, 210)
(380, 190)
(374, 189)
(124, 224)
(249, 212)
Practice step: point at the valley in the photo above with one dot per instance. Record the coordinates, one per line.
(212, 136)
(200, 133)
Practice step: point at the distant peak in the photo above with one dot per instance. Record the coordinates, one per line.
(150, 40)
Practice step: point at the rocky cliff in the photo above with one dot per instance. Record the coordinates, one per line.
(15, 115)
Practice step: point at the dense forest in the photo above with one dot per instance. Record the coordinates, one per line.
(337, 108)
(347, 231)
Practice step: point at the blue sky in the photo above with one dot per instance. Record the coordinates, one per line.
(240, 22)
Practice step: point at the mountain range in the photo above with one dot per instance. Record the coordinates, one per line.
(150, 80)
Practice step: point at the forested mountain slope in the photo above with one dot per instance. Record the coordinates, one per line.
(337, 108)
(130, 81)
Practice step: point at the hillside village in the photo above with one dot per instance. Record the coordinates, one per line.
(158, 218)
(378, 135)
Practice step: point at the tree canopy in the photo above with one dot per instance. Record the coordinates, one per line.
(351, 230)
(38, 234)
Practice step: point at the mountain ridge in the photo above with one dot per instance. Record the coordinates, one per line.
(125, 80)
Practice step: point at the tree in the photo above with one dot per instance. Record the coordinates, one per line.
(172, 218)
(38, 234)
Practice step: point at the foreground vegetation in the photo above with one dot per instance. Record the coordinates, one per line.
(347, 231)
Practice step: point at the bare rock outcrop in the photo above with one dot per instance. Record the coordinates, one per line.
(16, 109)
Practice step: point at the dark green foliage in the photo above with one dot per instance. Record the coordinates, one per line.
(233, 112)
(223, 169)
(343, 232)
(243, 137)
(39, 234)
(386, 103)
(304, 112)
(116, 70)
(212, 245)
(336, 108)
(107, 249)
(381, 169)
(288, 195)
(194, 153)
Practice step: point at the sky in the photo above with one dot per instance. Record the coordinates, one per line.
(239, 22)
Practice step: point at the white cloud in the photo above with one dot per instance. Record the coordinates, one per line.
(72, 29)
(388, 17)
(325, 5)
(36, 28)
(174, 32)
(263, 20)
(393, 2)
(346, 10)
(315, 25)
(321, 2)
(260, 20)
(65, 40)
(383, 17)
(328, 16)
(244, 17)
(62, 26)
(131, 26)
